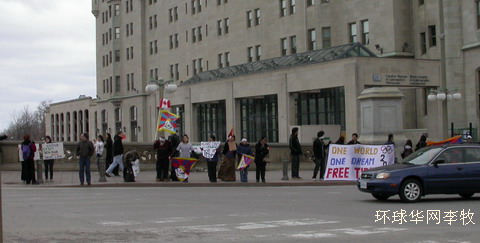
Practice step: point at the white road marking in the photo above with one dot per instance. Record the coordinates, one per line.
(173, 220)
(367, 230)
(126, 223)
(312, 235)
(204, 228)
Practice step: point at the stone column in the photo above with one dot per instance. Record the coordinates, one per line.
(381, 113)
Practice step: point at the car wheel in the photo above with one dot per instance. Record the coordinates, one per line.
(410, 191)
(466, 195)
(380, 196)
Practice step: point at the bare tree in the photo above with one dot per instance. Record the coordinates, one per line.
(26, 122)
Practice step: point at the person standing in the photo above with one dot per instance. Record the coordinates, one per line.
(354, 139)
(226, 172)
(421, 143)
(244, 149)
(212, 163)
(109, 151)
(341, 140)
(48, 163)
(117, 154)
(28, 150)
(85, 151)
(390, 140)
(185, 149)
(164, 150)
(407, 149)
(320, 153)
(261, 151)
(295, 151)
(99, 149)
(174, 140)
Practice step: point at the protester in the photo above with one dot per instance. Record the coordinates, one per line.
(422, 142)
(341, 140)
(212, 163)
(85, 151)
(108, 151)
(390, 140)
(117, 154)
(320, 153)
(227, 167)
(174, 140)
(28, 150)
(407, 149)
(185, 148)
(164, 150)
(354, 139)
(261, 151)
(48, 163)
(295, 151)
(99, 151)
(244, 149)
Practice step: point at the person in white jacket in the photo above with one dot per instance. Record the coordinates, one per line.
(99, 148)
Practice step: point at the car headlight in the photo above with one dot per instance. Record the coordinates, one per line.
(383, 175)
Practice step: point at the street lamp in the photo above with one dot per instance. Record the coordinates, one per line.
(444, 94)
(154, 85)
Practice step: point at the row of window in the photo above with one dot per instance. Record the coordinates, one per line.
(174, 41)
(432, 39)
(250, 20)
(129, 29)
(107, 85)
(173, 14)
(108, 14)
(153, 22)
(128, 6)
(64, 125)
(106, 37)
(223, 25)
(365, 31)
(109, 88)
(287, 10)
(153, 47)
(254, 53)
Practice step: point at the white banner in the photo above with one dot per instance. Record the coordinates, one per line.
(209, 148)
(36, 156)
(53, 151)
(346, 162)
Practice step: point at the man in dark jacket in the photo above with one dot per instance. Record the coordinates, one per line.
(295, 151)
(320, 153)
(164, 150)
(85, 150)
(117, 154)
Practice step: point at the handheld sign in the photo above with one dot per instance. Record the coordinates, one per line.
(53, 151)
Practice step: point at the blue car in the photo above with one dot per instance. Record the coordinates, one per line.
(448, 169)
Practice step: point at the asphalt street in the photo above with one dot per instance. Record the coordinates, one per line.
(240, 214)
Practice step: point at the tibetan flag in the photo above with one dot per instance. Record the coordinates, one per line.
(245, 161)
(456, 139)
(182, 167)
(167, 121)
(164, 104)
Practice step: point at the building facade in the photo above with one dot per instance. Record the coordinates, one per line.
(184, 40)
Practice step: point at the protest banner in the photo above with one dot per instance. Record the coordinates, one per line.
(245, 161)
(53, 151)
(346, 162)
(209, 148)
(182, 167)
(36, 156)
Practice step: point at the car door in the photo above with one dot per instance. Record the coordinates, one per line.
(446, 177)
(472, 169)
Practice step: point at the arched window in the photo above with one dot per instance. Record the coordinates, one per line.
(118, 120)
(80, 122)
(87, 123)
(104, 119)
(62, 127)
(69, 127)
(75, 126)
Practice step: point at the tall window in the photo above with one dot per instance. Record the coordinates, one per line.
(200, 37)
(118, 120)
(249, 19)
(211, 120)
(283, 8)
(310, 3)
(312, 39)
(433, 35)
(477, 6)
(327, 107)
(117, 32)
(292, 6)
(284, 46)
(227, 59)
(227, 25)
(326, 37)
(117, 84)
(352, 32)
(117, 9)
(365, 32)
(194, 67)
(133, 124)
(423, 43)
(258, 49)
(293, 44)
(250, 54)
(257, 16)
(220, 60)
(219, 27)
(259, 117)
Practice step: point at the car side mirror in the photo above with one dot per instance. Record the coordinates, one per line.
(437, 162)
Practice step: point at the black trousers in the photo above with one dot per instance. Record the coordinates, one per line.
(30, 171)
(162, 168)
(319, 164)
(295, 165)
(261, 166)
(48, 167)
(212, 170)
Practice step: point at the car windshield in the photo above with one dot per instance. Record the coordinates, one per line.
(422, 156)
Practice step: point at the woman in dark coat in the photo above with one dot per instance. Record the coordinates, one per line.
(28, 150)
(422, 143)
(261, 151)
(226, 172)
(108, 151)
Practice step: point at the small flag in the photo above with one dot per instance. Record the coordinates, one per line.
(182, 167)
(164, 104)
(230, 134)
(167, 121)
(245, 161)
(453, 140)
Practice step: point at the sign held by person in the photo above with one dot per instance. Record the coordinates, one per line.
(209, 148)
(53, 151)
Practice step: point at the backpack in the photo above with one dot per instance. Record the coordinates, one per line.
(26, 152)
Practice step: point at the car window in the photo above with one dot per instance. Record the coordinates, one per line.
(422, 156)
(472, 155)
(451, 156)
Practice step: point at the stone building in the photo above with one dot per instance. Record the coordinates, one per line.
(251, 65)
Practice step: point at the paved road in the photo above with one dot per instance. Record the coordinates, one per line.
(215, 214)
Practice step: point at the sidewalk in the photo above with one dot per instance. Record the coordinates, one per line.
(147, 179)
